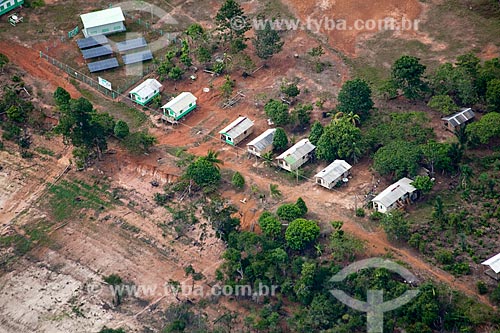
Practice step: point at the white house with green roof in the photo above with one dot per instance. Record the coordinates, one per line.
(179, 107)
(103, 22)
(8, 5)
(145, 92)
(297, 155)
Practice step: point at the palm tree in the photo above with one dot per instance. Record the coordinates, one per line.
(350, 117)
(273, 189)
(213, 157)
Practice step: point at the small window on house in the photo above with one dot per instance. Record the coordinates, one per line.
(190, 104)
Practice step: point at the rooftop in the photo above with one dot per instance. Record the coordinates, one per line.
(102, 17)
(237, 127)
(395, 191)
(146, 88)
(334, 171)
(297, 151)
(263, 140)
(493, 263)
(180, 102)
(460, 117)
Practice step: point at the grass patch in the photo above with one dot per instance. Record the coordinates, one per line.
(44, 151)
(68, 198)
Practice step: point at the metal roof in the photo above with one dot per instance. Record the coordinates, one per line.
(264, 140)
(395, 191)
(460, 117)
(131, 44)
(237, 127)
(297, 151)
(92, 41)
(102, 17)
(334, 171)
(494, 263)
(146, 88)
(181, 102)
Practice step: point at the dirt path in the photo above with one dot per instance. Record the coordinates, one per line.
(29, 60)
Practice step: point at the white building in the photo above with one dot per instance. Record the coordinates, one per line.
(146, 91)
(103, 22)
(332, 174)
(395, 195)
(297, 155)
(458, 119)
(237, 131)
(263, 143)
(180, 106)
(494, 266)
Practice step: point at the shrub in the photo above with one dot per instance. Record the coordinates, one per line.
(482, 288)
(444, 257)
(289, 212)
(301, 205)
(300, 233)
(238, 181)
(376, 216)
(160, 198)
(360, 212)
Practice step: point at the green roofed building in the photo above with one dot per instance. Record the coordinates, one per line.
(8, 5)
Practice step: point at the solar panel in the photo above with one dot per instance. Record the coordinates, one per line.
(102, 65)
(137, 57)
(92, 41)
(131, 44)
(97, 52)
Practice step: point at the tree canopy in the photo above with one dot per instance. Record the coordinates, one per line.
(280, 140)
(340, 139)
(278, 112)
(355, 97)
(203, 172)
(407, 73)
(267, 41)
(398, 158)
(482, 131)
(300, 233)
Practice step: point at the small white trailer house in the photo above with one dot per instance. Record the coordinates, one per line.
(263, 143)
(493, 265)
(237, 131)
(103, 22)
(179, 107)
(458, 119)
(146, 91)
(395, 196)
(332, 174)
(297, 155)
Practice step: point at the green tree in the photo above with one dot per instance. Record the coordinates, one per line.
(4, 60)
(232, 24)
(485, 129)
(355, 97)
(300, 233)
(139, 142)
(267, 41)
(290, 89)
(274, 192)
(203, 173)
(493, 95)
(227, 87)
(270, 226)
(304, 286)
(213, 157)
(175, 73)
(396, 226)
(407, 73)
(301, 205)
(443, 104)
(203, 55)
(195, 31)
(277, 112)
(423, 184)
(16, 114)
(316, 132)
(121, 129)
(340, 139)
(238, 181)
(440, 156)
(280, 140)
(61, 97)
(289, 212)
(398, 158)
(303, 114)
(489, 71)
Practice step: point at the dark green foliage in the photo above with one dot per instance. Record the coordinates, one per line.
(220, 215)
(277, 112)
(289, 212)
(111, 330)
(280, 140)
(267, 41)
(61, 97)
(423, 183)
(396, 226)
(203, 173)
(341, 139)
(493, 95)
(355, 97)
(316, 132)
(398, 159)
(139, 142)
(4, 60)
(161, 198)
(301, 233)
(270, 226)
(495, 295)
(482, 131)
(113, 279)
(443, 104)
(290, 89)
(175, 73)
(232, 24)
(407, 73)
(302, 113)
(121, 129)
(482, 288)
(301, 205)
(238, 181)
(360, 212)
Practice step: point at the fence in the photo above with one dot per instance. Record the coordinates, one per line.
(79, 76)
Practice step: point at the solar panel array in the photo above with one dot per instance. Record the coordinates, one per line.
(97, 66)
(97, 52)
(131, 44)
(137, 57)
(92, 41)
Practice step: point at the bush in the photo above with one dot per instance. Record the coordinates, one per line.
(376, 216)
(482, 288)
(289, 212)
(300, 233)
(238, 181)
(495, 295)
(301, 205)
(360, 212)
(444, 257)
(160, 199)
(121, 129)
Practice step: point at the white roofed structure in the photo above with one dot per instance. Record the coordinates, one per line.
(180, 106)
(494, 266)
(103, 22)
(237, 131)
(263, 143)
(330, 176)
(146, 91)
(458, 119)
(395, 195)
(297, 155)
